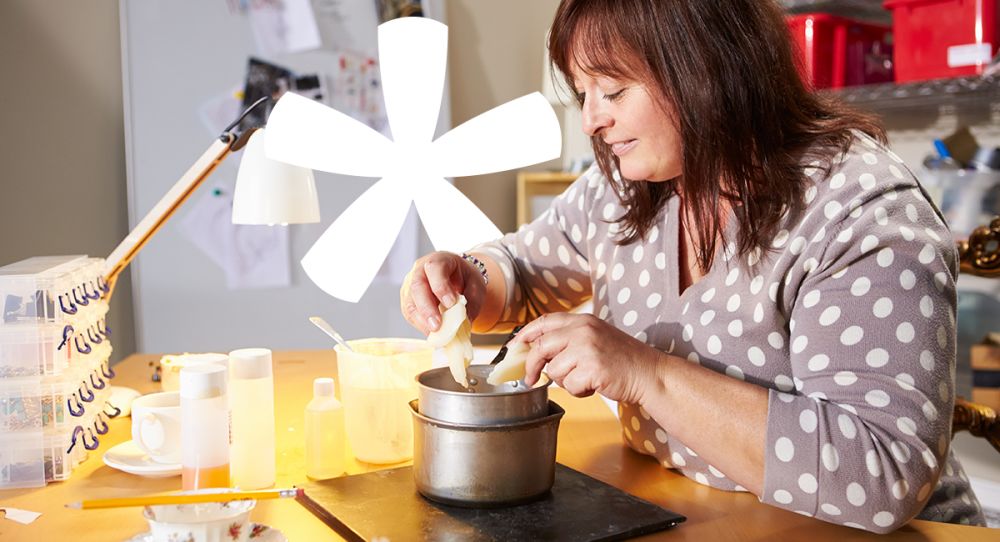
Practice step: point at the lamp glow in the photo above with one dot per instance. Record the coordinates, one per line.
(411, 166)
(270, 192)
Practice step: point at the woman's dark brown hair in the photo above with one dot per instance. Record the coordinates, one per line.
(746, 119)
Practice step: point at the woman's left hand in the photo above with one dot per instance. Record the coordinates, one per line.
(585, 354)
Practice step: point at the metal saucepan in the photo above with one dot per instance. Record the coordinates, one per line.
(480, 466)
(443, 399)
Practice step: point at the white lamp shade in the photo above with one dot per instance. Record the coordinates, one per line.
(271, 192)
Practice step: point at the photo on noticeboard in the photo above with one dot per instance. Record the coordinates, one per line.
(394, 9)
(267, 79)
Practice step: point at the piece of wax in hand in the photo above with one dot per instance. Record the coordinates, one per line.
(512, 365)
(451, 320)
(459, 353)
(455, 336)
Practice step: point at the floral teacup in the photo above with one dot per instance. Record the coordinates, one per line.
(203, 522)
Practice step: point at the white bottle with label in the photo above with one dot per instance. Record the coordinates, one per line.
(324, 432)
(251, 396)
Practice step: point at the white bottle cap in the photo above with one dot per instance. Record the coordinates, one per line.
(203, 381)
(323, 387)
(249, 363)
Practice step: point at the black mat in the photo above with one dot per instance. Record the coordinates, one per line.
(386, 504)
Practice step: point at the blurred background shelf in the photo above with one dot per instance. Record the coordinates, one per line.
(864, 10)
(958, 92)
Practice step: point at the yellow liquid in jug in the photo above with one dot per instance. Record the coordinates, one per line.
(379, 424)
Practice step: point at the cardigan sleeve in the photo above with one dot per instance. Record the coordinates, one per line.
(546, 263)
(872, 345)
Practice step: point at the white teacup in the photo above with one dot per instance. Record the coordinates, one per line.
(156, 426)
(203, 522)
(171, 365)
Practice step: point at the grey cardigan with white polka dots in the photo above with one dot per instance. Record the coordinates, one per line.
(848, 320)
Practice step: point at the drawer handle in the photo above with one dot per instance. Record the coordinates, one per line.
(103, 427)
(76, 413)
(86, 346)
(77, 431)
(67, 333)
(96, 295)
(93, 445)
(90, 393)
(95, 384)
(62, 305)
(82, 302)
(114, 413)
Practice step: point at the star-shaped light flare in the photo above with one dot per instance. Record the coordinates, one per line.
(411, 167)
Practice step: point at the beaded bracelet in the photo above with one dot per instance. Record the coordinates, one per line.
(480, 266)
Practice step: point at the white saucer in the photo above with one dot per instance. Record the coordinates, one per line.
(266, 534)
(129, 458)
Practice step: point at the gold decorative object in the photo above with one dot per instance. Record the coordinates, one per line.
(979, 254)
(980, 420)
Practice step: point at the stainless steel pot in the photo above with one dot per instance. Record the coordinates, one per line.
(480, 466)
(443, 399)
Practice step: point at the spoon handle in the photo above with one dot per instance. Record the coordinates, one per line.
(328, 329)
(503, 349)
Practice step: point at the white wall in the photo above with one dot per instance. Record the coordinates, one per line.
(62, 186)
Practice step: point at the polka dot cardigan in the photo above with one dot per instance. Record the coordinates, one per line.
(848, 320)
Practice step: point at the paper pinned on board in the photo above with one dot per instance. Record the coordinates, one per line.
(347, 25)
(250, 256)
(283, 27)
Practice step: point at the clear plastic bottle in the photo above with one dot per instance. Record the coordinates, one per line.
(204, 426)
(324, 432)
(251, 397)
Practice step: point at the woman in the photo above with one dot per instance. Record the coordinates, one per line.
(760, 266)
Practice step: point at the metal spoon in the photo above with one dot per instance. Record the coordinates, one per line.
(328, 329)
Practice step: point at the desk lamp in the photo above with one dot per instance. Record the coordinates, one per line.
(271, 193)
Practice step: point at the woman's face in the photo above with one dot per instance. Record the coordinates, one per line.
(629, 120)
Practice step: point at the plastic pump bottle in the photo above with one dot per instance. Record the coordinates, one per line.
(324, 432)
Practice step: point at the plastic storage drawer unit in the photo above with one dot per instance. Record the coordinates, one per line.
(51, 289)
(943, 38)
(835, 52)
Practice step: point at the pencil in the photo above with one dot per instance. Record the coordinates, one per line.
(188, 498)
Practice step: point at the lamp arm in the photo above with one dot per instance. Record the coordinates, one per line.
(127, 250)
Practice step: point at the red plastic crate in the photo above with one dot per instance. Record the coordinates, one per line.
(943, 38)
(836, 52)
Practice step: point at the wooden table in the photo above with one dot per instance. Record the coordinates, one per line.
(589, 441)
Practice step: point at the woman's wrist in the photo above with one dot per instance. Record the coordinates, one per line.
(653, 385)
(478, 265)
(493, 288)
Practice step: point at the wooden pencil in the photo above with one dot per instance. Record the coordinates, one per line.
(185, 498)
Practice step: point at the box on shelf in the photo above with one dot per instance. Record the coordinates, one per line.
(836, 52)
(936, 39)
(985, 361)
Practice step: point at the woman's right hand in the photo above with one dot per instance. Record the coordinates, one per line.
(437, 279)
